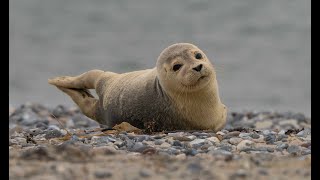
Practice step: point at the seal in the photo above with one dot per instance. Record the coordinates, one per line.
(180, 93)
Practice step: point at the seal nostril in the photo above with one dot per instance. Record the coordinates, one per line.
(198, 68)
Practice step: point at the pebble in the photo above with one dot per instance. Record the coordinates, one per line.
(102, 174)
(245, 145)
(293, 149)
(197, 142)
(231, 134)
(235, 140)
(52, 133)
(98, 140)
(145, 173)
(282, 146)
(177, 143)
(228, 144)
(213, 139)
(270, 138)
(255, 136)
(191, 152)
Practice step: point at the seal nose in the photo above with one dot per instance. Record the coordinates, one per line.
(198, 68)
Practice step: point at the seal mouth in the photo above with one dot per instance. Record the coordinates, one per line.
(197, 83)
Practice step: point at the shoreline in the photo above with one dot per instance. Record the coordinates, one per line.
(253, 145)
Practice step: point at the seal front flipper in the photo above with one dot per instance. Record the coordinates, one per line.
(86, 102)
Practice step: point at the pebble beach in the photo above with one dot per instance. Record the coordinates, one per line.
(61, 143)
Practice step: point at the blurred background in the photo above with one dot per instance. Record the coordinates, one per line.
(262, 49)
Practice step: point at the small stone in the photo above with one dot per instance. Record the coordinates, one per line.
(182, 138)
(197, 142)
(99, 140)
(282, 146)
(231, 134)
(245, 145)
(109, 150)
(293, 149)
(244, 135)
(235, 140)
(270, 138)
(192, 137)
(200, 134)
(263, 124)
(43, 125)
(181, 156)
(103, 174)
(266, 132)
(263, 172)
(220, 133)
(159, 141)
(53, 133)
(281, 137)
(177, 143)
(145, 173)
(35, 131)
(291, 122)
(282, 132)
(177, 134)
(213, 139)
(254, 136)
(173, 151)
(220, 152)
(241, 173)
(225, 147)
(306, 152)
(119, 143)
(53, 127)
(194, 167)
(137, 147)
(165, 145)
(191, 152)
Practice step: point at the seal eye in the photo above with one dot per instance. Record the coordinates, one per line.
(176, 67)
(198, 56)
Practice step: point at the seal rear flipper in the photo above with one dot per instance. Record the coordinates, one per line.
(86, 80)
(84, 99)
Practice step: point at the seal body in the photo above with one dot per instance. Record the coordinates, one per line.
(180, 93)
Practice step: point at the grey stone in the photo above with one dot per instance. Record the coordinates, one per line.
(225, 147)
(220, 152)
(254, 136)
(244, 135)
(145, 173)
(281, 137)
(96, 140)
(197, 142)
(235, 140)
(119, 143)
(191, 152)
(177, 143)
(53, 133)
(306, 152)
(282, 146)
(293, 149)
(245, 145)
(270, 138)
(102, 174)
(35, 131)
(231, 134)
(159, 141)
(194, 167)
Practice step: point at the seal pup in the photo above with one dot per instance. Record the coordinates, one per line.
(180, 93)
